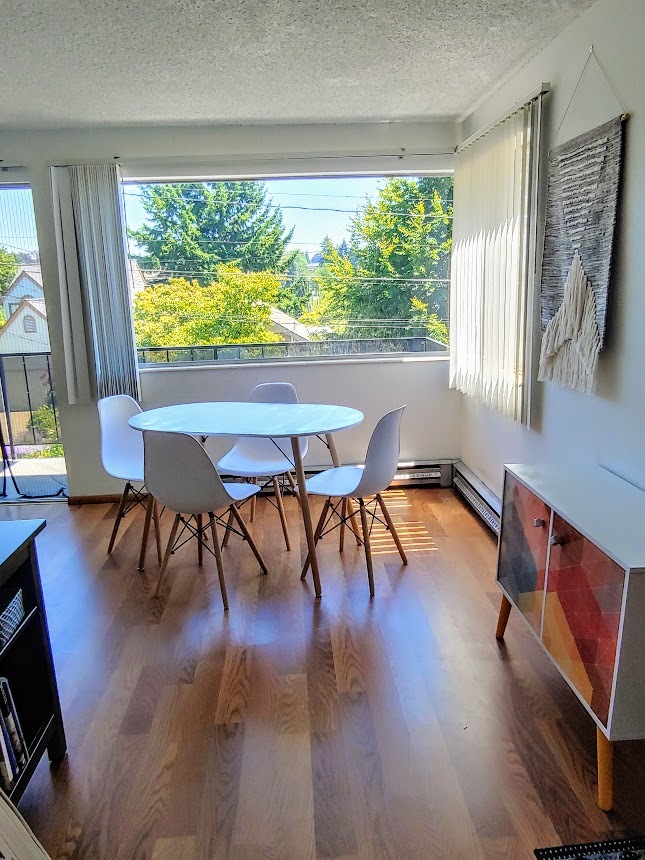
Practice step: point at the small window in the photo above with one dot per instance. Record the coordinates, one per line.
(29, 324)
(13, 307)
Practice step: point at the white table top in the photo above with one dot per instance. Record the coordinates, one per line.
(224, 418)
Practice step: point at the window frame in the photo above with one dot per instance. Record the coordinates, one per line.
(323, 167)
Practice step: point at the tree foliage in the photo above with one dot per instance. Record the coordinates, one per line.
(8, 269)
(397, 240)
(192, 228)
(234, 308)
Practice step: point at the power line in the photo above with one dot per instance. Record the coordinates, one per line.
(281, 207)
(285, 277)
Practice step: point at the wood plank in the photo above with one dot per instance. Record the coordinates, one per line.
(336, 729)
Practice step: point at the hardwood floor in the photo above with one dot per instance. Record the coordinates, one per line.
(293, 728)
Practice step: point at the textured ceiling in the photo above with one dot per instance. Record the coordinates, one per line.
(115, 62)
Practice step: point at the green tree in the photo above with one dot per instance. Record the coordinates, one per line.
(193, 228)
(8, 269)
(234, 308)
(295, 292)
(398, 240)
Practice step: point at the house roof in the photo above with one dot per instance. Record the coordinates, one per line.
(35, 305)
(289, 324)
(31, 271)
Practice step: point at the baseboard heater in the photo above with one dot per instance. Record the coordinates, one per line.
(482, 500)
(408, 474)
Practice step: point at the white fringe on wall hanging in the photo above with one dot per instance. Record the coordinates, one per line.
(571, 340)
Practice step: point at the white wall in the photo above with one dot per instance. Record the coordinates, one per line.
(608, 428)
(432, 423)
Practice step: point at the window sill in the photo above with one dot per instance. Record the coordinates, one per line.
(227, 365)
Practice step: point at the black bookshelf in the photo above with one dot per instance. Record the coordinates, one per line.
(26, 659)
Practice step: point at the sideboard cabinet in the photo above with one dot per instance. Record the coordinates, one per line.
(572, 562)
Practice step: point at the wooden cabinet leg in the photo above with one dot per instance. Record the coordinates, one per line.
(502, 621)
(605, 750)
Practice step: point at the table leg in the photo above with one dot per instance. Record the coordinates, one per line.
(331, 444)
(605, 751)
(502, 621)
(306, 512)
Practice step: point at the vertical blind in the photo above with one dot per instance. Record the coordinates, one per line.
(100, 352)
(492, 262)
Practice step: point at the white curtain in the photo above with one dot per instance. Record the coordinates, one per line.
(17, 842)
(492, 262)
(100, 354)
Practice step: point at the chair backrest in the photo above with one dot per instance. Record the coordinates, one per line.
(121, 445)
(271, 392)
(382, 456)
(180, 474)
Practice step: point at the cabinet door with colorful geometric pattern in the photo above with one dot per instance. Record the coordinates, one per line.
(524, 540)
(582, 614)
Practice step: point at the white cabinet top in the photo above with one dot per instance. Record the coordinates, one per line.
(606, 509)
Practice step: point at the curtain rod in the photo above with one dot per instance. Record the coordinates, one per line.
(541, 90)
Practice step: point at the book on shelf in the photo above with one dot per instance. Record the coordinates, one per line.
(7, 774)
(12, 740)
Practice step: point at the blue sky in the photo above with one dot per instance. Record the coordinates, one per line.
(305, 206)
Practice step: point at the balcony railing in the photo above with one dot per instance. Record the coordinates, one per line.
(28, 410)
(282, 350)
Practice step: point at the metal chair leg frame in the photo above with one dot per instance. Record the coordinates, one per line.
(248, 537)
(390, 525)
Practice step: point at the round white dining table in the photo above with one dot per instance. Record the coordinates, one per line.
(268, 420)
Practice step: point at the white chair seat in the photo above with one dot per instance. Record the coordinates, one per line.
(241, 492)
(130, 467)
(245, 465)
(336, 483)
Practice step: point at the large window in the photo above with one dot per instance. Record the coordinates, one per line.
(289, 268)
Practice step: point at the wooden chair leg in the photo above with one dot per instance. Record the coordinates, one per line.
(150, 504)
(199, 518)
(119, 516)
(247, 535)
(283, 517)
(253, 501)
(502, 621)
(343, 514)
(227, 530)
(366, 544)
(319, 527)
(605, 752)
(390, 525)
(155, 517)
(218, 560)
(166, 558)
(292, 484)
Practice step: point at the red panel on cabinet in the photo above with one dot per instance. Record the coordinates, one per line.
(523, 549)
(582, 614)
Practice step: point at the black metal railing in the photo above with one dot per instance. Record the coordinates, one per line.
(28, 410)
(287, 350)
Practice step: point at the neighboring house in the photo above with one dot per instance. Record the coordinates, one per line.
(27, 284)
(288, 327)
(26, 329)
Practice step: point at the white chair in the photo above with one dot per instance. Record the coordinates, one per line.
(180, 475)
(122, 458)
(361, 482)
(265, 458)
